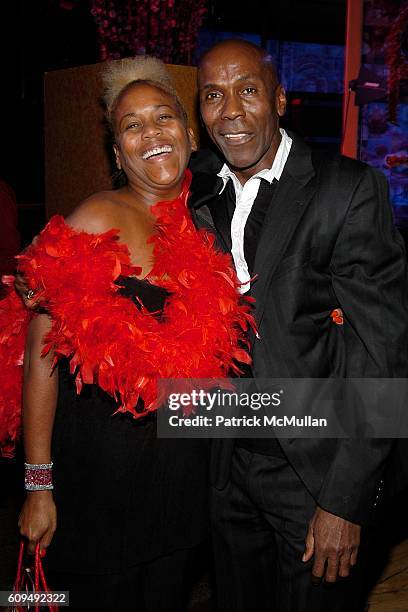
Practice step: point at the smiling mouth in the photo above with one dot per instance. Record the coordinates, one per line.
(238, 138)
(157, 152)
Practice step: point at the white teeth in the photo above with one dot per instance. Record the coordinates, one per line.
(157, 151)
(234, 135)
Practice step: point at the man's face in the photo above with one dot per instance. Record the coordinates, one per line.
(240, 103)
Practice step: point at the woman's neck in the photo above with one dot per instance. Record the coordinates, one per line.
(148, 198)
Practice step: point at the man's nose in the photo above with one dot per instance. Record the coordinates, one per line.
(232, 107)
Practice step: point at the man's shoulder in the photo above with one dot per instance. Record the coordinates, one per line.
(330, 162)
(205, 161)
(336, 166)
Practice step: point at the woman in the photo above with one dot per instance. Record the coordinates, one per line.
(127, 509)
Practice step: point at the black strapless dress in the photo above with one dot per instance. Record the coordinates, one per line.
(123, 496)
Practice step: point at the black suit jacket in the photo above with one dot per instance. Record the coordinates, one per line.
(328, 242)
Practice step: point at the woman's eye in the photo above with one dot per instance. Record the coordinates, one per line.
(132, 126)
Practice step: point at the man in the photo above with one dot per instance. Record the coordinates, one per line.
(317, 233)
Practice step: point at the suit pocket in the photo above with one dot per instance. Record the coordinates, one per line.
(300, 258)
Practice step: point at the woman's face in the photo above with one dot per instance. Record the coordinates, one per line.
(153, 144)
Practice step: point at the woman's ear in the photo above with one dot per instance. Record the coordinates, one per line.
(192, 138)
(117, 157)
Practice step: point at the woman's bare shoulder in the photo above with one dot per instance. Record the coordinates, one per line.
(96, 214)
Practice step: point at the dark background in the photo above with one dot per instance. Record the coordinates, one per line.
(40, 35)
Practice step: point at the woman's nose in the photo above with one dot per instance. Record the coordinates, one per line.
(150, 130)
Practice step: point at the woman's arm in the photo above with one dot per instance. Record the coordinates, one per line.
(37, 519)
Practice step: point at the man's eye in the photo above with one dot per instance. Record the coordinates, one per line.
(213, 95)
(164, 117)
(132, 126)
(249, 90)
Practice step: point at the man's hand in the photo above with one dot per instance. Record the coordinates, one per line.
(334, 543)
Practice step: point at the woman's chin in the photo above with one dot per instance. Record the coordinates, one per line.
(167, 179)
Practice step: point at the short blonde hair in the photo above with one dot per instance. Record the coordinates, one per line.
(120, 74)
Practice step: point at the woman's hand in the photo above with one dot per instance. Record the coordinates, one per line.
(28, 296)
(20, 285)
(38, 519)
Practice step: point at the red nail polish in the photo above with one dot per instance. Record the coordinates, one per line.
(43, 552)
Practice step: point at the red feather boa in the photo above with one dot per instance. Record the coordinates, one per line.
(108, 340)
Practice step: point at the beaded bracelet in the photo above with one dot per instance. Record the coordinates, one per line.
(38, 476)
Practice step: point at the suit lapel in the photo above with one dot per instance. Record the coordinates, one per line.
(207, 210)
(204, 187)
(291, 199)
(220, 210)
(289, 203)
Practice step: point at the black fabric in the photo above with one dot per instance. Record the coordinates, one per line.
(162, 585)
(204, 162)
(264, 446)
(123, 496)
(252, 234)
(223, 210)
(142, 292)
(259, 526)
(329, 242)
(255, 222)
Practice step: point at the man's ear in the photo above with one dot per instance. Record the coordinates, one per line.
(280, 100)
(192, 138)
(117, 157)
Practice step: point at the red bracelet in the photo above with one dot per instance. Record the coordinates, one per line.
(38, 476)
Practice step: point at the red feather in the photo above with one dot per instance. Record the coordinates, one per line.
(109, 341)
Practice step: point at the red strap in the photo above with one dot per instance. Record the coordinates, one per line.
(37, 572)
(40, 582)
(17, 582)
